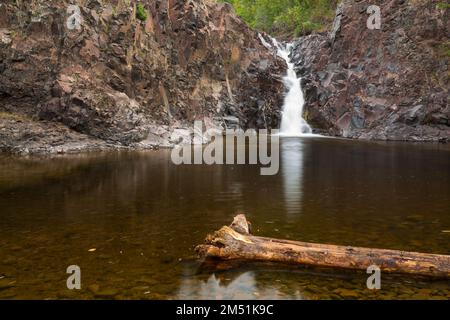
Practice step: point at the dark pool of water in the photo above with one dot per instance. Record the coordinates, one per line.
(144, 216)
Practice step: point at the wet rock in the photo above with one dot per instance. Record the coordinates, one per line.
(94, 288)
(106, 293)
(426, 292)
(181, 136)
(345, 293)
(415, 218)
(6, 284)
(231, 121)
(419, 296)
(23, 135)
(148, 280)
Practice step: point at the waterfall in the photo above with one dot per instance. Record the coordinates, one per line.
(292, 122)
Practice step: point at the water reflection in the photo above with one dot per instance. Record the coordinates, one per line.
(227, 280)
(292, 173)
(243, 280)
(245, 287)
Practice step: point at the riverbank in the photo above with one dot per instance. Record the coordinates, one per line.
(21, 135)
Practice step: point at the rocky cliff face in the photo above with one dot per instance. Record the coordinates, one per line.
(124, 79)
(387, 84)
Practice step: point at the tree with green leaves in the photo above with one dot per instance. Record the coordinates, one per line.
(286, 17)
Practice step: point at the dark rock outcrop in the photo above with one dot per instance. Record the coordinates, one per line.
(387, 84)
(120, 79)
(22, 135)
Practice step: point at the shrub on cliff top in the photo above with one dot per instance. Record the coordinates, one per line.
(141, 13)
(286, 17)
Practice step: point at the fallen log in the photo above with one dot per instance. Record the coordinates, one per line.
(237, 242)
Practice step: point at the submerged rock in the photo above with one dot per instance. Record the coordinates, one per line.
(6, 284)
(387, 84)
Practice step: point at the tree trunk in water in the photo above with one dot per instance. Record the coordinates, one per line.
(236, 242)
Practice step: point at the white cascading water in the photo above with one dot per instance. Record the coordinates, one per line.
(292, 122)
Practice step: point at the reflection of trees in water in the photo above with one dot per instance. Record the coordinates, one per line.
(245, 286)
(228, 282)
(217, 279)
(136, 181)
(214, 279)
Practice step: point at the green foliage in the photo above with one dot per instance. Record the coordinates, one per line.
(445, 49)
(289, 17)
(141, 13)
(443, 6)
